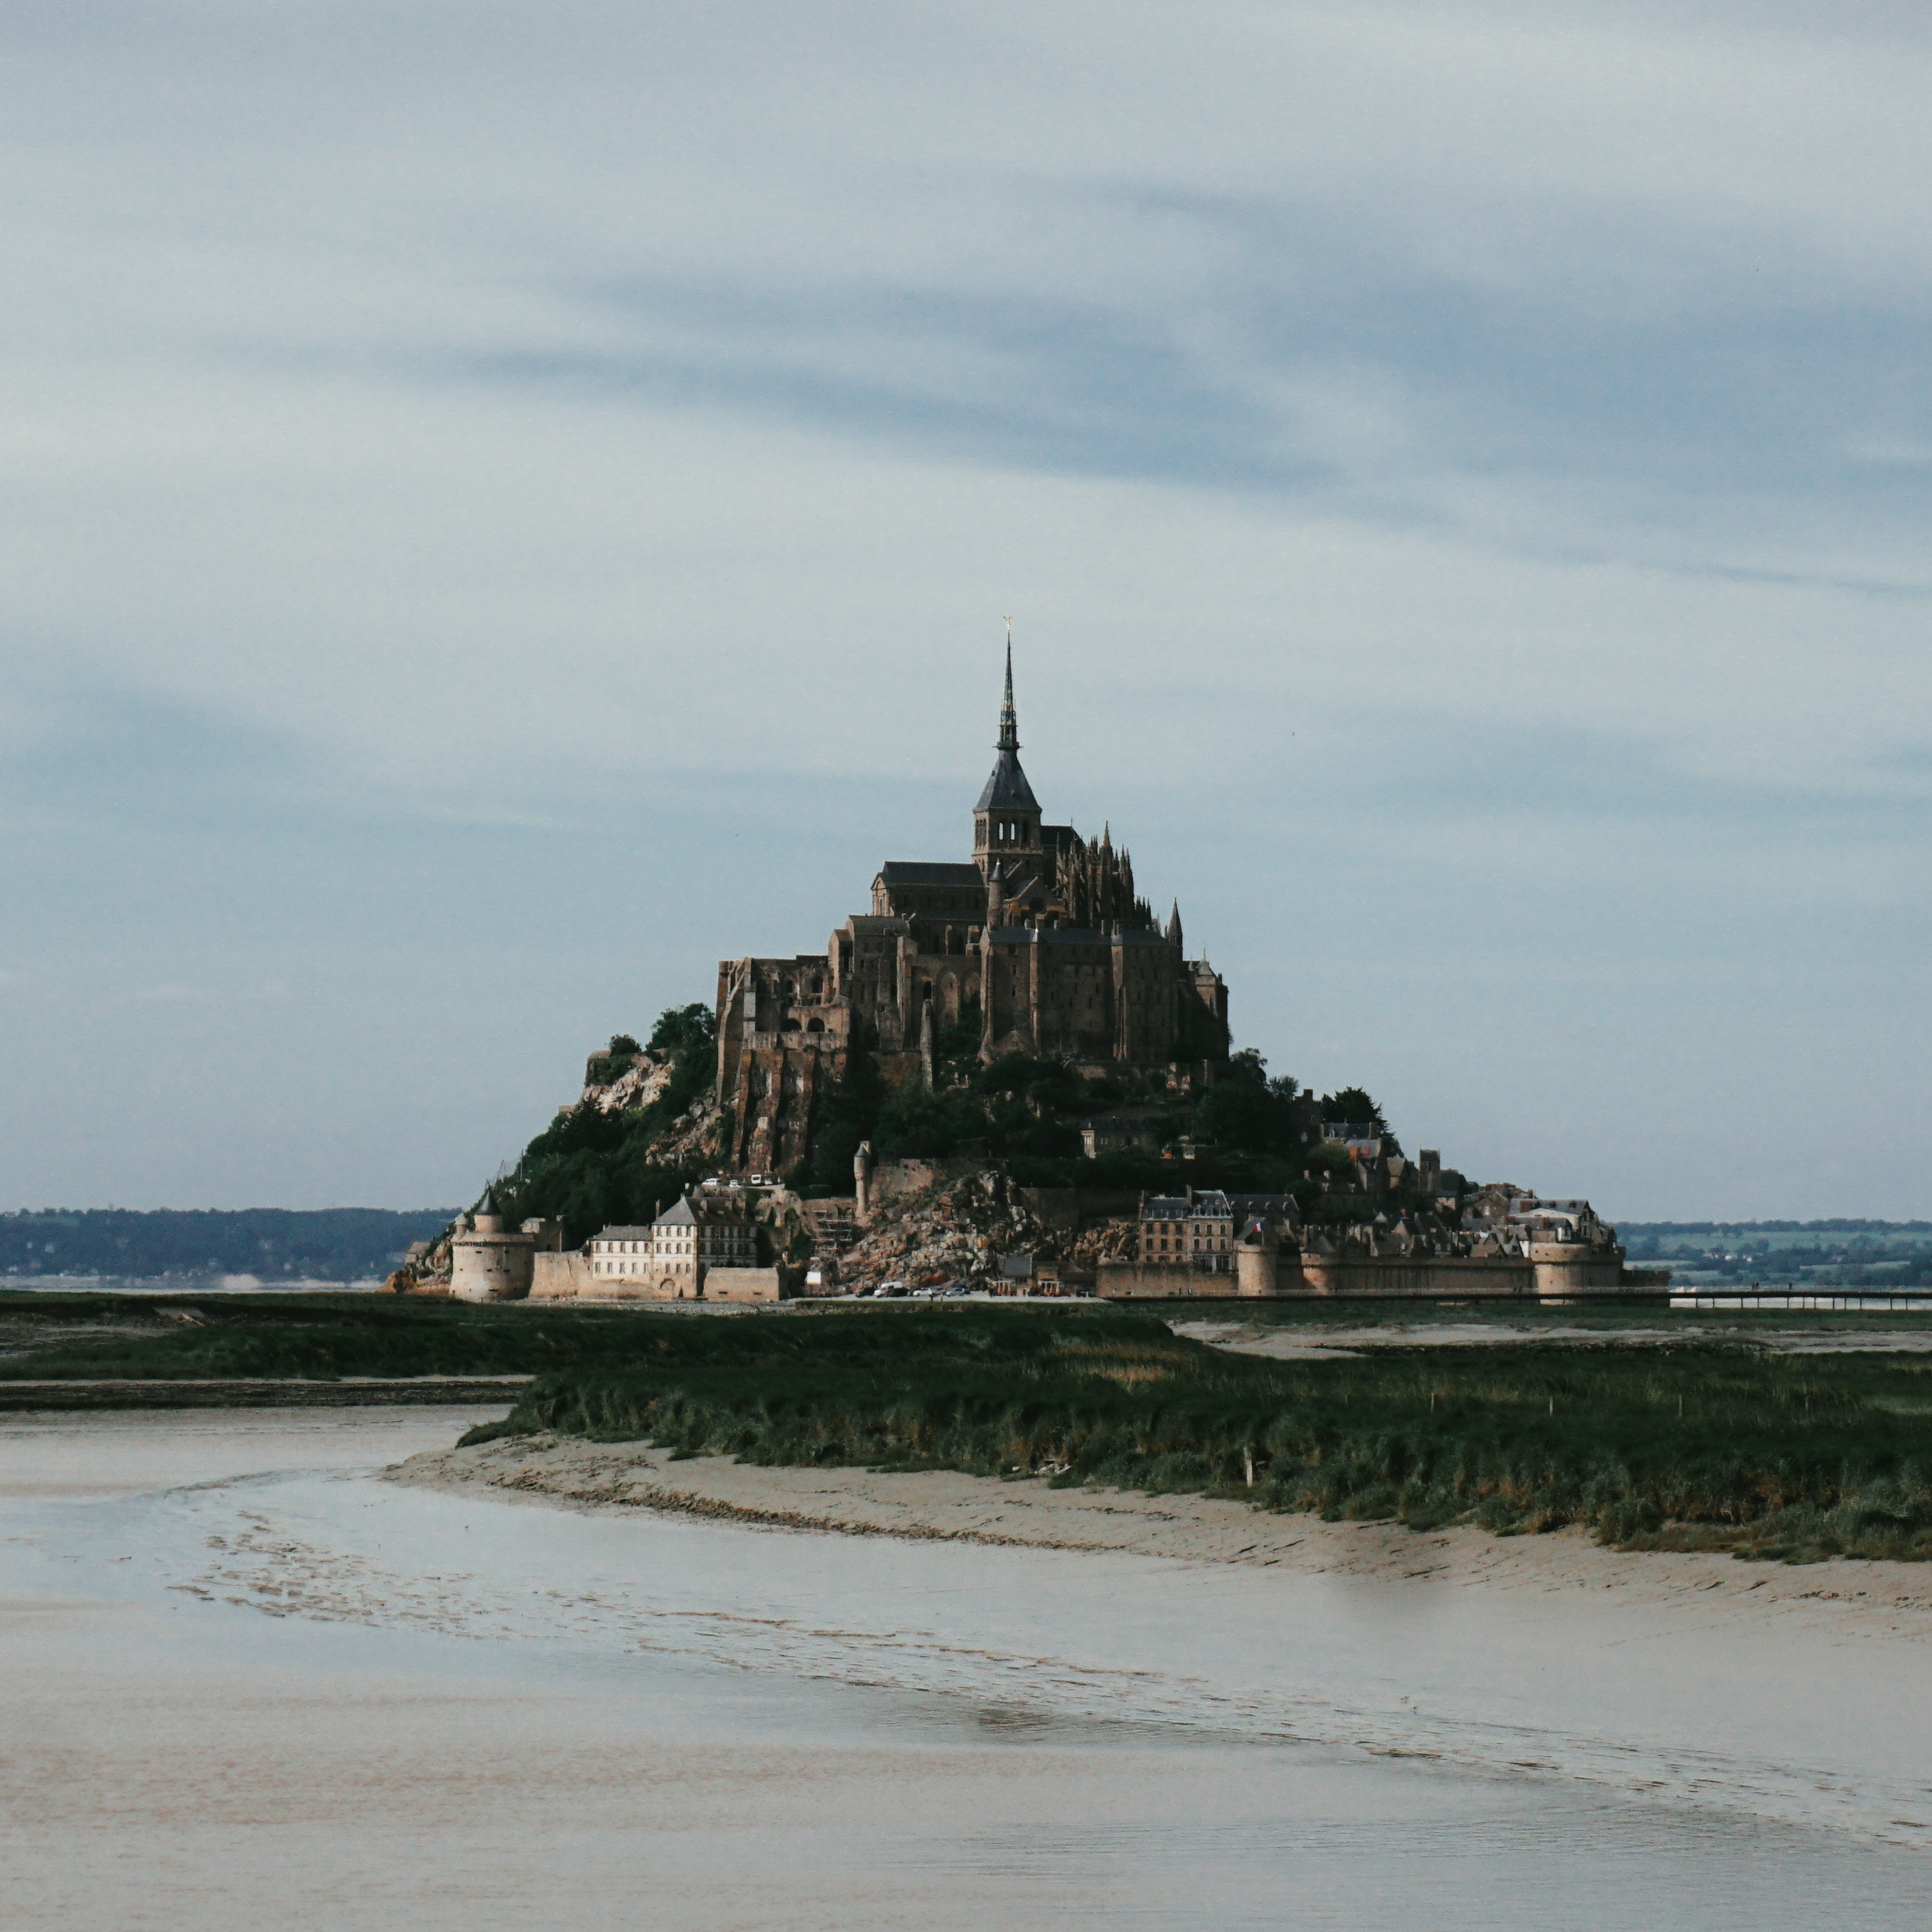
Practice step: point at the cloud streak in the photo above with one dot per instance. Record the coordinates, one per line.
(476, 478)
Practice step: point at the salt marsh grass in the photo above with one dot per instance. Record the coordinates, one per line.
(1694, 1444)
(1663, 1446)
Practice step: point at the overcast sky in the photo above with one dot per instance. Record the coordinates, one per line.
(504, 506)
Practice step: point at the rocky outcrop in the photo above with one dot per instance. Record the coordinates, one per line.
(613, 1087)
(693, 1137)
(1110, 1241)
(626, 1082)
(952, 1230)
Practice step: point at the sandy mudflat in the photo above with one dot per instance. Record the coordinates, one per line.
(1848, 1597)
(244, 1682)
(1302, 1340)
(56, 1453)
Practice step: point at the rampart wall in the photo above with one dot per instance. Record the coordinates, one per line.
(561, 1277)
(888, 1180)
(1260, 1273)
(567, 1278)
(1159, 1281)
(1396, 1275)
(728, 1284)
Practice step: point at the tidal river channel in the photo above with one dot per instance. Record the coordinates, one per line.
(247, 1683)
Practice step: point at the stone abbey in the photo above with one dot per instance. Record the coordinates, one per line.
(1041, 946)
(1040, 939)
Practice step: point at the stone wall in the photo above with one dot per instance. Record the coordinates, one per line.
(566, 1278)
(1159, 1281)
(1394, 1276)
(1562, 1269)
(724, 1284)
(1258, 1272)
(561, 1277)
(890, 1180)
(772, 1103)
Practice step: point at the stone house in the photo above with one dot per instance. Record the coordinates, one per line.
(673, 1258)
(1195, 1228)
(1121, 1133)
(619, 1256)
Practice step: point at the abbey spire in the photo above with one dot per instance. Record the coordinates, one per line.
(1043, 946)
(1005, 821)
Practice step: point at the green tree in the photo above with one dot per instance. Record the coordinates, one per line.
(1356, 1106)
(955, 1047)
(1246, 1111)
(847, 1113)
(918, 1122)
(1240, 1114)
(590, 1169)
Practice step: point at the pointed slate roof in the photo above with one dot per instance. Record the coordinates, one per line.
(1007, 789)
(917, 872)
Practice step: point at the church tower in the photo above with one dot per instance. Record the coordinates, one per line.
(1005, 822)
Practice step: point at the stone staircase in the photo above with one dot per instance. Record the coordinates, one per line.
(834, 1225)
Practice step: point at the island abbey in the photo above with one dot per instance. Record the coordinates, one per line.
(1040, 941)
(1040, 946)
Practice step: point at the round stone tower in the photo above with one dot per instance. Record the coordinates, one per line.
(488, 1262)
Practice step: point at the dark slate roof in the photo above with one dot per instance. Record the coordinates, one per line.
(1007, 789)
(1022, 876)
(1208, 1203)
(1070, 935)
(913, 872)
(1050, 935)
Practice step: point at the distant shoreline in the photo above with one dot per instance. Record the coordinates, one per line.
(52, 1397)
(279, 1247)
(183, 1284)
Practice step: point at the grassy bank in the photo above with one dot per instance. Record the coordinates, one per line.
(1692, 1445)
(93, 1337)
(1677, 1447)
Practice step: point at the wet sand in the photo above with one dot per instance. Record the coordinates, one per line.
(1303, 1339)
(52, 1454)
(1844, 1598)
(245, 1681)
